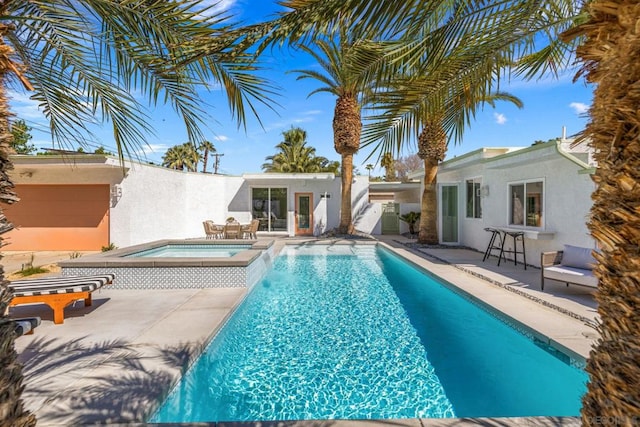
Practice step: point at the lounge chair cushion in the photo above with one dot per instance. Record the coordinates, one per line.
(578, 257)
(57, 292)
(26, 325)
(563, 273)
(59, 285)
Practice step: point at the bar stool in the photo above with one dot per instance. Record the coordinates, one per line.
(518, 236)
(493, 244)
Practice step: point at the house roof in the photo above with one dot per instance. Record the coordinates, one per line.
(66, 169)
(287, 176)
(508, 157)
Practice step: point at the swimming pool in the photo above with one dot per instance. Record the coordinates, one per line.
(358, 333)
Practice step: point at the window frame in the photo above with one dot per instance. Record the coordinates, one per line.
(525, 206)
(476, 198)
(269, 220)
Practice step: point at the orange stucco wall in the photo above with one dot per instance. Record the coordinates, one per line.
(59, 218)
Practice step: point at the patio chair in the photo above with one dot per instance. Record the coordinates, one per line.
(249, 231)
(57, 292)
(209, 229)
(212, 230)
(232, 230)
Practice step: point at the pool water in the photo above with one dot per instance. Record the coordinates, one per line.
(357, 333)
(186, 251)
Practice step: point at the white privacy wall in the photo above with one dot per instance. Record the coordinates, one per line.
(160, 203)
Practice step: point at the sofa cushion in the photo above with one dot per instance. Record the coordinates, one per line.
(579, 276)
(578, 257)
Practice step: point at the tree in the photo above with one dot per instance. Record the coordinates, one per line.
(206, 147)
(388, 163)
(294, 156)
(612, 44)
(369, 168)
(407, 164)
(21, 136)
(102, 150)
(181, 157)
(83, 61)
(346, 78)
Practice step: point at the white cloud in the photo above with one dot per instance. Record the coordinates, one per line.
(216, 6)
(25, 108)
(579, 107)
(221, 138)
(153, 149)
(500, 118)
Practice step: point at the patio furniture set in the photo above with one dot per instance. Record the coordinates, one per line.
(231, 230)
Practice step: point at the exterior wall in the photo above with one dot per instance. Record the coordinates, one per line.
(159, 203)
(566, 197)
(59, 218)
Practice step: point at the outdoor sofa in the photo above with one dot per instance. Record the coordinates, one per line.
(57, 292)
(573, 265)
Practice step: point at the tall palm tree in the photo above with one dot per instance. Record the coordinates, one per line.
(610, 58)
(206, 147)
(294, 155)
(388, 163)
(369, 168)
(432, 149)
(346, 78)
(82, 60)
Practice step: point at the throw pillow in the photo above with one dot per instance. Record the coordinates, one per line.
(577, 257)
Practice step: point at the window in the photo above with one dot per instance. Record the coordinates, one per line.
(269, 205)
(525, 204)
(474, 209)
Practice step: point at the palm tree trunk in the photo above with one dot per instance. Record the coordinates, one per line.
(12, 412)
(346, 225)
(611, 56)
(428, 233)
(204, 160)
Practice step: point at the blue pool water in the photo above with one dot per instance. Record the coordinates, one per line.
(185, 251)
(358, 333)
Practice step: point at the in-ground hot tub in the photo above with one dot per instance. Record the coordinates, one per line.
(170, 264)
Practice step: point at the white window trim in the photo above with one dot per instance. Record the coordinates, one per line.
(475, 179)
(544, 203)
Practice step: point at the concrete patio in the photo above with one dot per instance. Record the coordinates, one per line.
(112, 362)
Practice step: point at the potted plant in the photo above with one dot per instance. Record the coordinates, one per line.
(411, 218)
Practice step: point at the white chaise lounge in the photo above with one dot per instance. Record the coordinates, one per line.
(573, 265)
(57, 292)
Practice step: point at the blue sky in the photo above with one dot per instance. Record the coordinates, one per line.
(549, 105)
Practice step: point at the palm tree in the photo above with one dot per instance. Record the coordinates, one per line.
(206, 147)
(82, 60)
(611, 46)
(346, 78)
(388, 163)
(369, 168)
(294, 155)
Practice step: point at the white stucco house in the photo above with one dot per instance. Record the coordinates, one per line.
(85, 202)
(543, 190)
